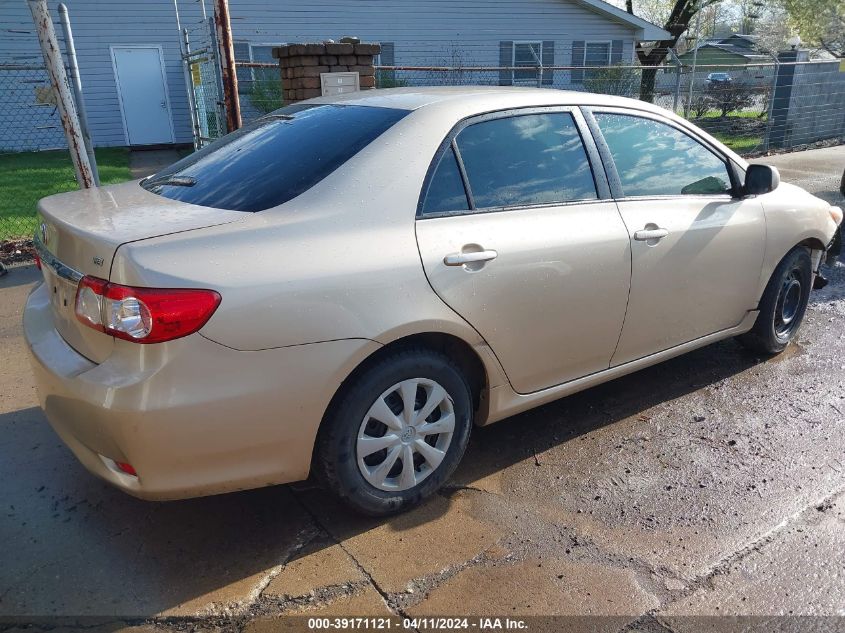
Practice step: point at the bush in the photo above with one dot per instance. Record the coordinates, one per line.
(700, 104)
(614, 80)
(730, 97)
(387, 79)
(265, 93)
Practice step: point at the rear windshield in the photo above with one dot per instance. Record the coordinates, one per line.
(274, 159)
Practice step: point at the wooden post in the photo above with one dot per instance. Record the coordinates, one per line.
(64, 100)
(227, 65)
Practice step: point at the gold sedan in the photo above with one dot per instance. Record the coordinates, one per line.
(348, 284)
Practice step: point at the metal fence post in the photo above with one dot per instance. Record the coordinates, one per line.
(76, 84)
(771, 105)
(185, 46)
(214, 57)
(781, 100)
(64, 100)
(677, 96)
(227, 65)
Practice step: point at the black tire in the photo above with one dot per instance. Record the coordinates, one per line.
(336, 462)
(783, 304)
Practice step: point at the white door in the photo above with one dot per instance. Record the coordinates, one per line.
(139, 73)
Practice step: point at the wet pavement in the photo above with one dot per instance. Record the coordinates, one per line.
(712, 484)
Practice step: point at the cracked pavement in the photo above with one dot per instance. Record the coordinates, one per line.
(712, 484)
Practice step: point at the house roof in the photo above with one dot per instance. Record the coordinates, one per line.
(737, 44)
(647, 31)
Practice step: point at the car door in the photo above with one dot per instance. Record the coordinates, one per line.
(696, 247)
(519, 238)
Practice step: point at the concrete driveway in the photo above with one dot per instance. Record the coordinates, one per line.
(713, 484)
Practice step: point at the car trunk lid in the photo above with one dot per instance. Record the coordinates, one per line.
(78, 233)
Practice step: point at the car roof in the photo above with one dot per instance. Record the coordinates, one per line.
(458, 102)
(462, 97)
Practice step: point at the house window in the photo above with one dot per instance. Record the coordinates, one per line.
(529, 55)
(262, 52)
(246, 52)
(597, 54)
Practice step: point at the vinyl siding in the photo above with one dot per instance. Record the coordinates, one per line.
(97, 25)
(424, 32)
(428, 32)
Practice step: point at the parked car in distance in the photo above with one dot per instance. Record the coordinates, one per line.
(345, 286)
(719, 78)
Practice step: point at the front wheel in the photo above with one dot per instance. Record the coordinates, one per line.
(397, 432)
(783, 304)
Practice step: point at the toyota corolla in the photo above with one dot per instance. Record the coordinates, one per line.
(346, 286)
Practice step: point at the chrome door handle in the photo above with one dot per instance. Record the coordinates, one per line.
(650, 234)
(459, 259)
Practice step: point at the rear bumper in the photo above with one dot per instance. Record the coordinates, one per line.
(191, 416)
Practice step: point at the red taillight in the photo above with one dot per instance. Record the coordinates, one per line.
(127, 468)
(143, 315)
(37, 261)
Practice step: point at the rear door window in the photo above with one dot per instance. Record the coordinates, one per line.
(526, 159)
(446, 189)
(275, 158)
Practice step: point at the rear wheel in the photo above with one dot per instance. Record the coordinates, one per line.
(397, 432)
(783, 304)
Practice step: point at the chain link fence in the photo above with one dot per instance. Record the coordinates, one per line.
(752, 108)
(734, 104)
(259, 88)
(31, 142)
(201, 61)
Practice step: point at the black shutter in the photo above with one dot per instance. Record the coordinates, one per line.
(242, 54)
(578, 60)
(387, 58)
(388, 54)
(548, 62)
(616, 51)
(506, 59)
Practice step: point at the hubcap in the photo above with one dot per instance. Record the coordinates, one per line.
(405, 434)
(789, 301)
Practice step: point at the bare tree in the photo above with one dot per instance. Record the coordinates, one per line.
(677, 22)
(455, 58)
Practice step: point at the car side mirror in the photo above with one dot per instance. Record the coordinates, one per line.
(760, 179)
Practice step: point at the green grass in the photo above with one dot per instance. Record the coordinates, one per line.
(742, 114)
(740, 144)
(26, 177)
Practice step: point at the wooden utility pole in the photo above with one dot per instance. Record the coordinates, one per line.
(228, 72)
(65, 104)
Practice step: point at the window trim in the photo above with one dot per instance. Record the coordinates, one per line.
(444, 149)
(261, 44)
(537, 68)
(251, 59)
(615, 182)
(594, 160)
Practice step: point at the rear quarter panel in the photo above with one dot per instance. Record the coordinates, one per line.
(339, 261)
